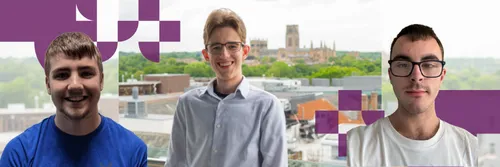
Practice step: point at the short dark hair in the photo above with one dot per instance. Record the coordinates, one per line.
(417, 32)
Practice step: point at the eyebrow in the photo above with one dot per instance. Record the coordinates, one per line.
(79, 68)
(221, 43)
(401, 57)
(405, 57)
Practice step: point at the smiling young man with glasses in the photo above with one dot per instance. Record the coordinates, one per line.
(413, 135)
(228, 123)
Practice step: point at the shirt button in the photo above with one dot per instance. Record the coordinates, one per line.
(218, 125)
(215, 150)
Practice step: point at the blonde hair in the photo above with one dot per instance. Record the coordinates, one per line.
(222, 18)
(75, 45)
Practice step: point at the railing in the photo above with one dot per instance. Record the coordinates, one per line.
(152, 162)
(157, 159)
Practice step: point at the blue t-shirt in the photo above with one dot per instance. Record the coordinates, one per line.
(43, 144)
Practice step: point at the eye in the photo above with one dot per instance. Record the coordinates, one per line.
(233, 46)
(401, 64)
(216, 47)
(60, 76)
(87, 74)
(430, 65)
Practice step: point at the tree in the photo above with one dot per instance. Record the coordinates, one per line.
(199, 69)
(272, 59)
(281, 69)
(336, 72)
(300, 61)
(151, 69)
(304, 70)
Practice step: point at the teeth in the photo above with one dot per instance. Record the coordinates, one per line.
(225, 64)
(76, 98)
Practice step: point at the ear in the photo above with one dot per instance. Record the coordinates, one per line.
(47, 84)
(246, 50)
(389, 73)
(102, 81)
(205, 54)
(443, 75)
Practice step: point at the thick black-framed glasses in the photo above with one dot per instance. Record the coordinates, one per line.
(428, 68)
(218, 48)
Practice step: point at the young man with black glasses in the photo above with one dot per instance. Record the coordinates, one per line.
(228, 123)
(413, 135)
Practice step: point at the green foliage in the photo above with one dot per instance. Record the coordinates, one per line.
(199, 69)
(21, 86)
(337, 72)
(169, 63)
(281, 69)
(258, 70)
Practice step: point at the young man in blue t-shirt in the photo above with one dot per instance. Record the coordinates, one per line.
(77, 135)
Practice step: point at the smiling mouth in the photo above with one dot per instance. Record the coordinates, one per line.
(416, 92)
(76, 99)
(225, 64)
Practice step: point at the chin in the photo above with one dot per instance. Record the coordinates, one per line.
(416, 108)
(76, 114)
(226, 76)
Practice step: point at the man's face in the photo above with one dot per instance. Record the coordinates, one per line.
(416, 92)
(74, 85)
(226, 61)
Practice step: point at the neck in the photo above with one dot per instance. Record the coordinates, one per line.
(228, 86)
(421, 126)
(78, 127)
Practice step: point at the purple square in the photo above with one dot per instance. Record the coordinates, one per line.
(326, 121)
(350, 100)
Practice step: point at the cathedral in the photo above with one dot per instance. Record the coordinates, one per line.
(292, 51)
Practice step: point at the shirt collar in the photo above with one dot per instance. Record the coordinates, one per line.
(242, 89)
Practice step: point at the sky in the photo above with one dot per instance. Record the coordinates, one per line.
(466, 28)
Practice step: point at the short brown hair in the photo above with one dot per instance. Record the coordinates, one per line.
(221, 18)
(417, 32)
(75, 45)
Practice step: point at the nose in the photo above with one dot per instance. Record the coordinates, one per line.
(225, 52)
(416, 74)
(75, 85)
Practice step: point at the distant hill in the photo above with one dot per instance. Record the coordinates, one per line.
(364, 55)
(483, 65)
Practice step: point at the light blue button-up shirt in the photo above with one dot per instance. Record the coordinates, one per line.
(245, 129)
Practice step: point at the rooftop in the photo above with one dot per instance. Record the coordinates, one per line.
(165, 74)
(139, 83)
(5, 111)
(318, 89)
(155, 123)
(152, 97)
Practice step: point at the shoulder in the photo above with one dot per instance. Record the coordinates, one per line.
(30, 136)
(368, 131)
(463, 141)
(363, 141)
(462, 137)
(362, 136)
(459, 133)
(193, 93)
(262, 96)
(123, 134)
(132, 146)
(255, 91)
(20, 148)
